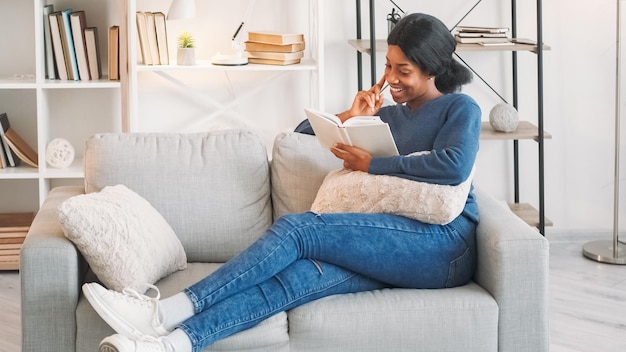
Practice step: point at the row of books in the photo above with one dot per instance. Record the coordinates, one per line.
(71, 47)
(13, 148)
(482, 35)
(152, 32)
(271, 48)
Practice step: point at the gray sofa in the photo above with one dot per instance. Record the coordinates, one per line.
(219, 191)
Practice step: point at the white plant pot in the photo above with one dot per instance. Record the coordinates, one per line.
(186, 56)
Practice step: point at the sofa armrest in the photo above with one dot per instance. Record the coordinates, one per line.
(51, 273)
(513, 266)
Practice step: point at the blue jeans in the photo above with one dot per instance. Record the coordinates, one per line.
(303, 257)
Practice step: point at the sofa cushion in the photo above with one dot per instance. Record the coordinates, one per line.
(271, 335)
(126, 242)
(212, 188)
(299, 165)
(408, 320)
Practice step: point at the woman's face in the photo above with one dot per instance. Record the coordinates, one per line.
(407, 83)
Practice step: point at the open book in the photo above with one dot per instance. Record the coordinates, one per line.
(367, 132)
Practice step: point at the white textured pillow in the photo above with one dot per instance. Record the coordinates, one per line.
(125, 240)
(347, 191)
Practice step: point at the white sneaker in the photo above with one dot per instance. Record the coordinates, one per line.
(129, 313)
(121, 343)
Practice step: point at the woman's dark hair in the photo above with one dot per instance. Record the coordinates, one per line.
(427, 42)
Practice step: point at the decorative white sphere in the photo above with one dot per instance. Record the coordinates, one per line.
(60, 153)
(503, 118)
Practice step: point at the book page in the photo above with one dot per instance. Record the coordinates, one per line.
(376, 139)
(367, 132)
(326, 128)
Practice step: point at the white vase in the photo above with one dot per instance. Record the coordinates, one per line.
(186, 56)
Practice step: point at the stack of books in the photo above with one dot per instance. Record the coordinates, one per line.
(71, 47)
(271, 48)
(13, 148)
(13, 230)
(152, 31)
(482, 35)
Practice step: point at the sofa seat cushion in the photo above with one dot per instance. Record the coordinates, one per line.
(270, 335)
(403, 318)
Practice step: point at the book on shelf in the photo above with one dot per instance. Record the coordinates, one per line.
(479, 40)
(16, 143)
(93, 52)
(57, 44)
(114, 53)
(161, 38)
(142, 32)
(9, 159)
(277, 48)
(69, 49)
(476, 29)
(78, 22)
(270, 55)
(480, 35)
(152, 38)
(367, 132)
(253, 60)
(48, 51)
(275, 37)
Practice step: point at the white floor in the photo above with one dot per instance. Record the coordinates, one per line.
(587, 313)
(588, 299)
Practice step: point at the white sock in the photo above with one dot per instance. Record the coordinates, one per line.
(176, 309)
(179, 340)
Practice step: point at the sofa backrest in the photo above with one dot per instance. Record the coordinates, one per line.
(213, 185)
(299, 165)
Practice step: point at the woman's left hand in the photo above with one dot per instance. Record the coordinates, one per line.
(354, 158)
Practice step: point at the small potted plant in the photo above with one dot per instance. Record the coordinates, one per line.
(186, 54)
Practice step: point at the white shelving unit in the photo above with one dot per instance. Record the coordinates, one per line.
(41, 110)
(211, 107)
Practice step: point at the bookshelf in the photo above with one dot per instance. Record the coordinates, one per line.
(40, 109)
(206, 103)
(526, 130)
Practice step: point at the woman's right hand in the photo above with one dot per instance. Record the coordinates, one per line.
(366, 102)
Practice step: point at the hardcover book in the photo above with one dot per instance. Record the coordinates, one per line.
(93, 52)
(275, 37)
(78, 22)
(277, 48)
(57, 45)
(367, 132)
(16, 143)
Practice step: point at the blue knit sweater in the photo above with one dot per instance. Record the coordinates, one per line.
(448, 127)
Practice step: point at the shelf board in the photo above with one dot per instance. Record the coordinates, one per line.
(528, 213)
(525, 130)
(19, 172)
(64, 84)
(15, 82)
(363, 46)
(75, 170)
(204, 65)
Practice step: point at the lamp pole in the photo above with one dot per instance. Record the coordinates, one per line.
(606, 251)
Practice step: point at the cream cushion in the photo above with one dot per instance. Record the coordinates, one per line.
(126, 242)
(347, 191)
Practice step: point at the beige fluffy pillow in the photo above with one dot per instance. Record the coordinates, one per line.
(347, 191)
(125, 240)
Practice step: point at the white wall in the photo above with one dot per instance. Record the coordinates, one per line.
(579, 82)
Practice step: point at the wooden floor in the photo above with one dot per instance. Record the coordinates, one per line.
(587, 313)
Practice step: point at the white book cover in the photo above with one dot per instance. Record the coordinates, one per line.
(367, 132)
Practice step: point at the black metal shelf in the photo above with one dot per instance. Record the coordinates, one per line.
(371, 46)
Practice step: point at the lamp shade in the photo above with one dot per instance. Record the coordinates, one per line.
(182, 9)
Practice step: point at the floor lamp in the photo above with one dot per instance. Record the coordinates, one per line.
(607, 251)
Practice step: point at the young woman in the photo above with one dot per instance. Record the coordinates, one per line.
(283, 269)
